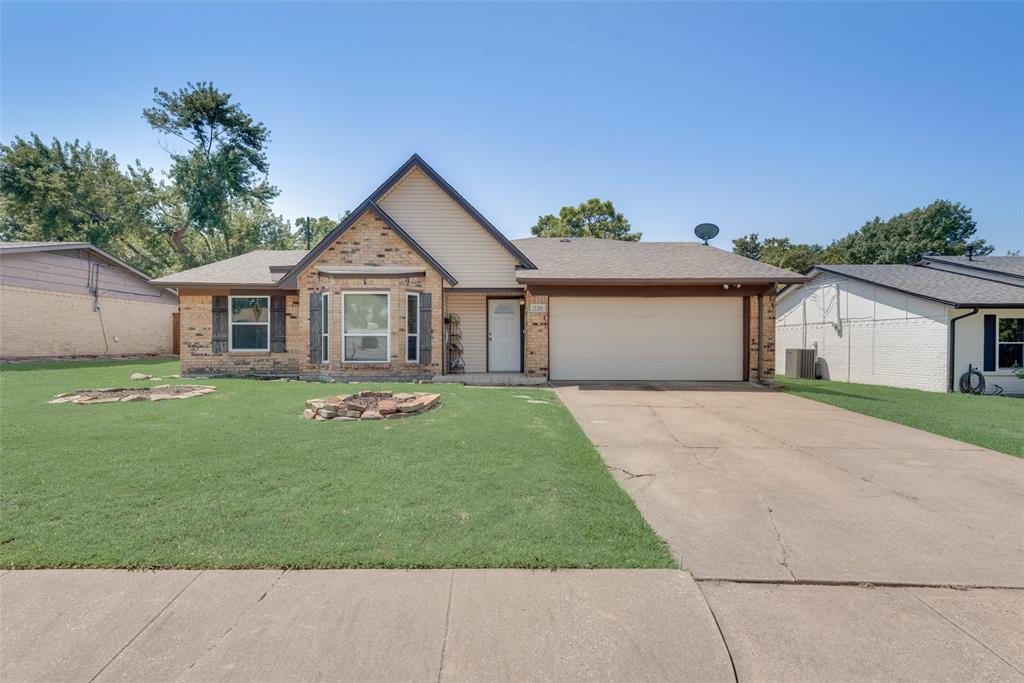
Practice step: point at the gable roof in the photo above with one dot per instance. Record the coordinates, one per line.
(23, 247)
(945, 287)
(417, 161)
(254, 269)
(288, 281)
(590, 260)
(1003, 265)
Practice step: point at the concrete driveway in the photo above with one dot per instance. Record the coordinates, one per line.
(824, 541)
(752, 484)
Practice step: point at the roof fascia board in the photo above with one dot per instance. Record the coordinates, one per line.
(417, 161)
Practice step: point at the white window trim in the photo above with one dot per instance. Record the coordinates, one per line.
(325, 322)
(387, 332)
(231, 324)
(412, 295)
(999, 319)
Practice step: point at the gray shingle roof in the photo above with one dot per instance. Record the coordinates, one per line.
(245, 270)
(1008, 265)
(938, 285)
(588, 259)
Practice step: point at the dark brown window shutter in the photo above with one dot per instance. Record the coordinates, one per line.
(425, 331)
(278, 318)
(220, 325)
(316, 324)
(990, 344)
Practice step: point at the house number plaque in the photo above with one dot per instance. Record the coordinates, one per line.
(538, 308)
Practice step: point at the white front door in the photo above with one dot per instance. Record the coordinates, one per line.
(504, 335)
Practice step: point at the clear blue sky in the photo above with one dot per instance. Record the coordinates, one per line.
(801, 120)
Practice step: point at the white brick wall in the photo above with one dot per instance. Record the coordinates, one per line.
(865, 334)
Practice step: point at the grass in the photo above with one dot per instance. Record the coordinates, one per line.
(995, 422)
(239, 479)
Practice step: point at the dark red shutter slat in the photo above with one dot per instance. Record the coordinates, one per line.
(277, 324)
(219, 342)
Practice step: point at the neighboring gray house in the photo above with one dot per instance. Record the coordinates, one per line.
(919, 326)
(74, 299)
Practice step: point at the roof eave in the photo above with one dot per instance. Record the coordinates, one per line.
(232, 285)
(659, 281)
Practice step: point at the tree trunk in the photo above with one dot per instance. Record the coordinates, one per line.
(178, 243)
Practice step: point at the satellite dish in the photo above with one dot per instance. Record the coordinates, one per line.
(706, 231)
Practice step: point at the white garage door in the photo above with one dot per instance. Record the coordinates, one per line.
(638, 338)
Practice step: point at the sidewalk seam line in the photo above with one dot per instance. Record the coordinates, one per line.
(965, 632)
(146, 625)
(447, 617)
(721, 633)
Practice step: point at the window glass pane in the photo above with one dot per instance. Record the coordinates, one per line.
(1011, 355)
(250, 309)
(1011, 330)
(325, 305)
(366, 348)
(413, 315)
(249, 336)
(366, 313)
(412, 348)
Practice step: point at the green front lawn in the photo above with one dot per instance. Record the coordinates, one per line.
(995, 422)
(239, 479)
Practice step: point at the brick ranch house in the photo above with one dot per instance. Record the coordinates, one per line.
(416, 283)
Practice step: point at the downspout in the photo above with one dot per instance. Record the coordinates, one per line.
(952, 347)
(761, 344)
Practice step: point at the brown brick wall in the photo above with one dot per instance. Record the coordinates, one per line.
(368, 242)
(536, 337)
(767, 351)
(197, 357)
(41, 323)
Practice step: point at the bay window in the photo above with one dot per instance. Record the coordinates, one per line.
(250, 323)
(366, 321)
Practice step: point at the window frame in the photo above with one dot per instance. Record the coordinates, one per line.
(325, 324)
(386, 333)
(1000, 366)
(416, 360)
(232, 323)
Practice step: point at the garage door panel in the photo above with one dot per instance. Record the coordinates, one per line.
(681, 338)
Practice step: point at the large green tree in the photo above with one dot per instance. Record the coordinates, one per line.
(69, 191)
(942, 227)
(318, 229)
(779, 251)
(223, 166)
(592, 218)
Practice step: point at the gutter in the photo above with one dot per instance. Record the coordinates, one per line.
(952, 348)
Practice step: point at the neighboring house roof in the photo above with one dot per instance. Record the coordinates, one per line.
(954, 289)
(416, 161)
(589, 260)
(288, 281)
(254, 269)
(23, 247)
(1004, 265)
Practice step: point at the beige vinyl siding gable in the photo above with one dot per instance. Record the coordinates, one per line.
(448, 233)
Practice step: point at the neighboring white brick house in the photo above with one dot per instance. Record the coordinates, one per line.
(72, 299)
(890, 325)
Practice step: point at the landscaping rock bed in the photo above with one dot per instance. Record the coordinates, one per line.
(369, 405)
(162, 392)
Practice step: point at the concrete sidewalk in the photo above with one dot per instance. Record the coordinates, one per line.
(494, 625)
(367, 625)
